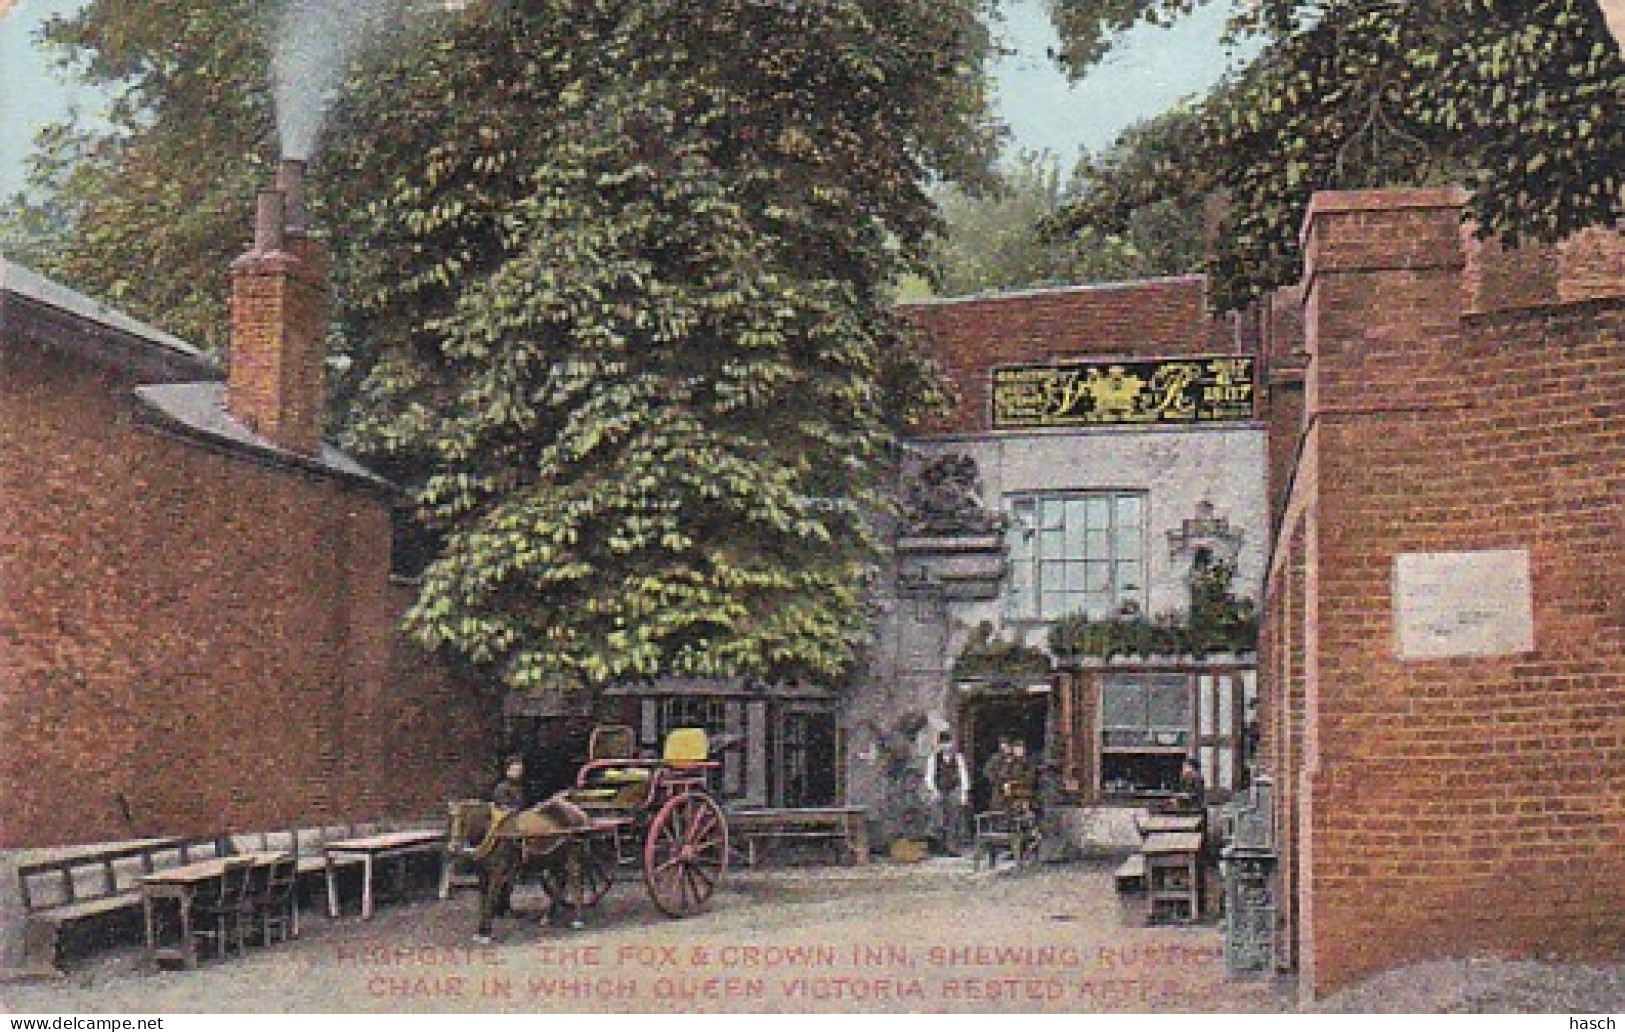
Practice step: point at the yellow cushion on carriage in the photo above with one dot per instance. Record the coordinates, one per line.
(686, 745)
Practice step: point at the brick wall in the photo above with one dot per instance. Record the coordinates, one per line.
(279, 306)
(1148, 319)
(1450, 807)
(191, 641)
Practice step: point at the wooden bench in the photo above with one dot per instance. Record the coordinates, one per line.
(845, 827)
(81, 885)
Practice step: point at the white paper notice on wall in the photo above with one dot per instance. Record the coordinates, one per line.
(1449, 604)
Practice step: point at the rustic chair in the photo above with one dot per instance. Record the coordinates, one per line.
(1012, 830)
(223, 907)
(467, 821)
(275, 912)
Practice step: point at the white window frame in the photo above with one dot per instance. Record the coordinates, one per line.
(1052, 577)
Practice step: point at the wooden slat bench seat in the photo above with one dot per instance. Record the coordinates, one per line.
(844, 827)
(70, 886)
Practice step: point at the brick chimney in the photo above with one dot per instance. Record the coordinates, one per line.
(279, 303)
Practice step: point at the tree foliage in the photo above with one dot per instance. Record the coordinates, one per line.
(1523, 103)
(999, 240)
(613, 275)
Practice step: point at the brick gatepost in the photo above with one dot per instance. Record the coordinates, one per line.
(1449, 721)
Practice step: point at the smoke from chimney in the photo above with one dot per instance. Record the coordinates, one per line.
(312, 47)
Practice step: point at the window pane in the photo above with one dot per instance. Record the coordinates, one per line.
(1053, 545)
(1075, 577)
(1128, 577)
(1020, 597)
(1128, 510)
(1051, 513)
(1076, 542)
(1169, 704)
(1122, 704)
(1100, 512)
(1099, 577)
(1098, 545)
(1052, 577)
(1128, 542)
(1056, 604)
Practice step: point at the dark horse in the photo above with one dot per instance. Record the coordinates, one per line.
(546, 841)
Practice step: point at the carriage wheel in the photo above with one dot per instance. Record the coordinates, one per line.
(597, 875)
(685, 854)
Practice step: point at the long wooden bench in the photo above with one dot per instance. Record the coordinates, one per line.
(90, 883)
(845, 827)
(79, 884)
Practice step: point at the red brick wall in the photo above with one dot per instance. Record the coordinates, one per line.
(1451, 807)
(206, 638)
(1149, 319)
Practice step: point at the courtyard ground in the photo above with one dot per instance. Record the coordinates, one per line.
(916, 938)
(931, 937)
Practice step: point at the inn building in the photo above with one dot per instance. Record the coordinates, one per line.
(1104, 444)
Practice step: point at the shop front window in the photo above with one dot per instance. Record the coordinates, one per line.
(1145, 732)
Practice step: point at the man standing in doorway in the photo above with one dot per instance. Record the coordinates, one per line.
(948, 787)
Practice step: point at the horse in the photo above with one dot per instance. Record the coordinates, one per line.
(544, 840)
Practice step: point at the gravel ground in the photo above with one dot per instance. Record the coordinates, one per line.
(883, 938)
(932, 937)
(1486, 986)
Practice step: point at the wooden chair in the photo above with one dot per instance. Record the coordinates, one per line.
(275, 911)
(224, 907)
(1012, 830)
(462, 843)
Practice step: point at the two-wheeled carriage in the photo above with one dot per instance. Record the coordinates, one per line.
(621, 809)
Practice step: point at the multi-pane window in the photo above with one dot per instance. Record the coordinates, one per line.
(1145, 732)
(1076, 553)
(1142, 711)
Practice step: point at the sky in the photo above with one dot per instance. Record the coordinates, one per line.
(1154, 68)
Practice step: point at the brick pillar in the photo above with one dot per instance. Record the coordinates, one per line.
(276, 384)
(1382, 305)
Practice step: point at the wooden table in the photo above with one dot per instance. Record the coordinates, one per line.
(181, 884)
(1173, 874)
(1166, 823)
(847, 824)
(397, 844)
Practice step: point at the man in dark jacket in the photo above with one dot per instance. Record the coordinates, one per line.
(509, 793)
(947, 785)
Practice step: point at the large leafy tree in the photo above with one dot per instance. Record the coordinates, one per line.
(1523, 103)
(614, 277)
(998, 239)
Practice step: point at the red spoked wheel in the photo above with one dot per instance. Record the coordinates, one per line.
(685, 854)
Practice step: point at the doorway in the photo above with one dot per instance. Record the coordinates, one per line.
(984, 719)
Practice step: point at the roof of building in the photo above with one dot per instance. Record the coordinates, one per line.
(23, 282)
(199, 410)
(1189, 279)
(34, 308)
